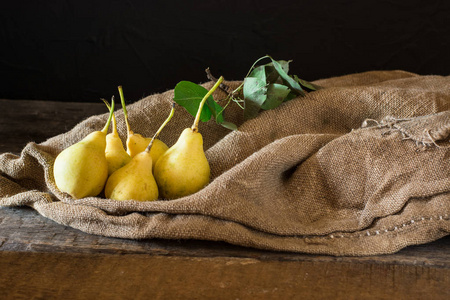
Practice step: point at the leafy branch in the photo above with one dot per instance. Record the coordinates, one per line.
(264, 87)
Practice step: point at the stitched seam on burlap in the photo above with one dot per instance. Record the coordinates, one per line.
(369, 233)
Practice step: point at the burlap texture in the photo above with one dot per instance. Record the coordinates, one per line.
(360, 167)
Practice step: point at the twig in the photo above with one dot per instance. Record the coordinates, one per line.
(222, 86)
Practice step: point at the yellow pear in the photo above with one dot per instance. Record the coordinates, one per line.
(135, 180)
(116, 156)
(136, 143)
(81, 170)
(183, 169)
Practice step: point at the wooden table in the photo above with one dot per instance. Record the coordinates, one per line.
(40, 259)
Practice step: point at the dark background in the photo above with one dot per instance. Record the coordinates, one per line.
(82, 50)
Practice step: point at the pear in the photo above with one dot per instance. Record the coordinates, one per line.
(136, 143)
(116, 156)
(183, 169)
(135, 180)
(81, 170)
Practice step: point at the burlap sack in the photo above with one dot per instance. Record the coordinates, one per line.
(358, 168)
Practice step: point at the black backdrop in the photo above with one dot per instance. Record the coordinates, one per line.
(70, 50)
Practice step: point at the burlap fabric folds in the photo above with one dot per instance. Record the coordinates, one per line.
(360, 167)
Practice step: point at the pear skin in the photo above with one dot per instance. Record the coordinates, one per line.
(136, 143)
(81, 170)
(183, 169)
(115, 154)
(134, 181)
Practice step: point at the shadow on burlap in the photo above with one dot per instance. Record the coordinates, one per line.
(360, 167)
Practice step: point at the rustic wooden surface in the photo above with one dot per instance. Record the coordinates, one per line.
(41, 259)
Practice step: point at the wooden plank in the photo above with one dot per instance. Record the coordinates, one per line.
(24, 230)
(26, 121)
(140, 276)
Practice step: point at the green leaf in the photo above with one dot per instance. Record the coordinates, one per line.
(254, 96)
(215, 109)
(276, 94)
(259, 73)
(290, 82)
(306, 84)
(217, 112)
(290, 96)
(255, 90)
(189, 95)
(229, 125)
(272, 74)
(251, 110)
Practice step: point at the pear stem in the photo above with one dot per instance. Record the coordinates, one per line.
(114, 124)
(111, 113)
(114, 131)
(124, 107)
(202, 103)
(161, 128)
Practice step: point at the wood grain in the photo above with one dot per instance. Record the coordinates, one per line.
(139, 276)
(41, 259)
(26, 121)
(24, 230)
